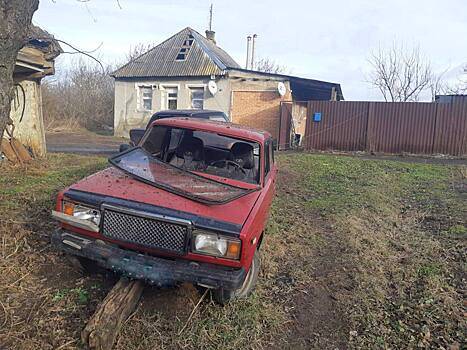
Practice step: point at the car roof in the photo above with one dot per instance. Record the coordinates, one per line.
(190, 112)
(224, 128)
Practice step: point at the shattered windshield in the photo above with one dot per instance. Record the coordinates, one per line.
(205, 152)
(175, 160)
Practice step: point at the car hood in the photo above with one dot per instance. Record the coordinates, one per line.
(113, 182)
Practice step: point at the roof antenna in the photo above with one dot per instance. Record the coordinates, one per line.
(210, 18)
(210, 34)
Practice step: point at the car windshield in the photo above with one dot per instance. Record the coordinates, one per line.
(205, 152)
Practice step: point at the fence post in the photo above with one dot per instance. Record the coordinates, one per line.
(433, 141)
(370, 146)
(307, 142)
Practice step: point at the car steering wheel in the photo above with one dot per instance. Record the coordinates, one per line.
(231, 162)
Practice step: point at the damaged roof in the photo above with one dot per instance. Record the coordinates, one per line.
(43, 41)
(187, 53)
(36, 57)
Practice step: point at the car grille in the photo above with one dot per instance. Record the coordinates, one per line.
(144, 231)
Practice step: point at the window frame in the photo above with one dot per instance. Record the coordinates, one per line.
(141, 98)
(185, 49)
(167, 89)
(271, 153)
(166, 141)
(267, 161)
(198, 89)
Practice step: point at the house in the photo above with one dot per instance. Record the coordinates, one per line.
(34, 61)
(189, 70)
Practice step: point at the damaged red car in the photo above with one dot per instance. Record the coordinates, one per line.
(188, 204)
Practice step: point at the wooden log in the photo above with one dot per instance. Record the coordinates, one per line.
(20, 151)
(8, 151)
(103, 327)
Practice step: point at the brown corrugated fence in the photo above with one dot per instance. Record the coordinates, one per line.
(387, 127)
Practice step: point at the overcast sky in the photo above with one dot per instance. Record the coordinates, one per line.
(326, 40)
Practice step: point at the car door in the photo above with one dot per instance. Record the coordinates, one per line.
(258, 217)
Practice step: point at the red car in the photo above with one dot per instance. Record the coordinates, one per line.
(188, 204)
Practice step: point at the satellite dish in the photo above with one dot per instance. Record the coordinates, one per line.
(281, 89)
(212, 87)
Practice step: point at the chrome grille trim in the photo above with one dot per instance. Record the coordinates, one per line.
(145, 229)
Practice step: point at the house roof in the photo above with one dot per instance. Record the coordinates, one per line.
(204, 58)
(43, 41)
(303, 89)
(36, 57)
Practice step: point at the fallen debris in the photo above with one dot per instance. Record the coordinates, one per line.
(103, 327)
(13, 149)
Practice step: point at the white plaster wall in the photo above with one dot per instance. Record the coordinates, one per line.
(128, 116)
(30, 131)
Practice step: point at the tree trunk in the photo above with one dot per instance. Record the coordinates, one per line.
(103, 327)
(15, 22)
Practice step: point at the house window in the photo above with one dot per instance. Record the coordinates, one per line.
(186, 46)
(145, 98)
(182, 54)
(197, 97)
(172, 97)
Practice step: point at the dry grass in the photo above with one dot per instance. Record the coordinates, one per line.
(358, 254)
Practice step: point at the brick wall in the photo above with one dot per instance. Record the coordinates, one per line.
(258, 109)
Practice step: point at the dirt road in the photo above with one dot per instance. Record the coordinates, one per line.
(84, 142)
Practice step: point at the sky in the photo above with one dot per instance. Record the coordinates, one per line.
(325, 40)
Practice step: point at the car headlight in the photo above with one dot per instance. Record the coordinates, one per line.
(216, 245)
(82, 212)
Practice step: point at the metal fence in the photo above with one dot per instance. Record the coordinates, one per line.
(387, 127)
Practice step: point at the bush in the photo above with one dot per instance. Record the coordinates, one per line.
(82, 96)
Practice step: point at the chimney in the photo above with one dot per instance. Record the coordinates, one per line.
(253, 52)
(211, 35)
(248, 44)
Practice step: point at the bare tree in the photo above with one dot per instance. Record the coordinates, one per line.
(400, 75)
(437, 85)
(15, 23)
(269, 66)
(80, 96)
(15, 26)
(460, 87)
(138, 50)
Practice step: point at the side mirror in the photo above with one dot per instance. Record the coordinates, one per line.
(136, 135)
(124, 147)
(274, 144)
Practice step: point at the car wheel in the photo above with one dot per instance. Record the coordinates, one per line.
(222, 296)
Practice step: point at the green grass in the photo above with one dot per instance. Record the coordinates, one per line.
(41, 180)
(391, 216)
(385, 238)
(457, 230)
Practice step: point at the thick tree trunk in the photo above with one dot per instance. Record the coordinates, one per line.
(103, 327)
(15, 21)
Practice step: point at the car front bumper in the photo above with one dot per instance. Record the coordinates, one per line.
(154, 270)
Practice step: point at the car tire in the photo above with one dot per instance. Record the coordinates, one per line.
(223, 296)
